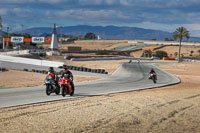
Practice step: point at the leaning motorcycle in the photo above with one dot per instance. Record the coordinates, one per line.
(153, 77)
(51, 86)
(66, 87)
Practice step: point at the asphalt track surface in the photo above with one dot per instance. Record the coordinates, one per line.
(128, 77)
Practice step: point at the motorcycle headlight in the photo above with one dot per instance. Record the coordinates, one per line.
(47, 81)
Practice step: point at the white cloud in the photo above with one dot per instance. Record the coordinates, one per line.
(21, 13)
(17, 27)
(52, 1)
(94, 15)
(194, 29)
(110, 2)
(192, 26)
(90, 2)
(3, 11)
(125, 2)
(16, 1)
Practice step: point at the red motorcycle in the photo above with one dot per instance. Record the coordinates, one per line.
(66, 86)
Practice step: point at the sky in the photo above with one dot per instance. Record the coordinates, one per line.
(165, 15)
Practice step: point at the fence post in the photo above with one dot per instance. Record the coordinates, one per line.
(3, 44)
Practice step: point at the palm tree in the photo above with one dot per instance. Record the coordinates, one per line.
(180, 33)
(199, 52)
(191, 52)
(175, 54)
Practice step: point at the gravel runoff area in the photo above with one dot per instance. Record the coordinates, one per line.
(169, 109)
(14, 78)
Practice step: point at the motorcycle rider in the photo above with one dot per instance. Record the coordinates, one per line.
(53, 75)
(152, 72)
(69, 75)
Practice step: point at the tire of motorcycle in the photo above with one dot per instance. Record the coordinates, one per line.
(72, 92)
(48, 89)
(57, 91)
(154, 80)
(64, 91)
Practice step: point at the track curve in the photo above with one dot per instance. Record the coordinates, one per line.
(128, 77)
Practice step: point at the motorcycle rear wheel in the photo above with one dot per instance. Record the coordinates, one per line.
(72, 92)
(154, 79)
(57, 91)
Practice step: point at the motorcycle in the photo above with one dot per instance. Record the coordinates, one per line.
(153, 77)
(51, 86)
(67, 89)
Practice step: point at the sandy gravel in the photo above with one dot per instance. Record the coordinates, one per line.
(185, 50)
(173, 109)
(86, 45)
(13, 78)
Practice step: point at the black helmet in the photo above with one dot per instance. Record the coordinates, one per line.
(51, 69)
(152, 70)
(65, 67)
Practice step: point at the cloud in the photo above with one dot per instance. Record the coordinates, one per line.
(3, 11)
(21, 13)
(192, 26)
(90, 2)
(148, 13)
(89, 15)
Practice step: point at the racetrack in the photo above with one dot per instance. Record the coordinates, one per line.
(128, 77)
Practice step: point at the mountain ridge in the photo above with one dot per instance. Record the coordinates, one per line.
(107, 32)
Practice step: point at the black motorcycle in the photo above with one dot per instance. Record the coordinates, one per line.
(153, 77)
(51, 86)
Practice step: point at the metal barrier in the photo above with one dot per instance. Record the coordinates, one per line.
(30, 61)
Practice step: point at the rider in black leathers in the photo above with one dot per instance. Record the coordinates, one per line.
(69, 75)
(152, 72)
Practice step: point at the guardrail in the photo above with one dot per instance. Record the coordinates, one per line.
(30, 61)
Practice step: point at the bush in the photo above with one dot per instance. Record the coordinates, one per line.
(147, 53)
(102, 52)
(72, 39)
(42, 55)
(161, 54)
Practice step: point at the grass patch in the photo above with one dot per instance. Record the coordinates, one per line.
(102, 52)
(2, 87)
(192, 58)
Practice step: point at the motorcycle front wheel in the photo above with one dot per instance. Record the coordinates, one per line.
(48, 89)
(64, 90)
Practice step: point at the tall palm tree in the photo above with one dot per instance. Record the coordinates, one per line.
(179, 34)
(199, 52)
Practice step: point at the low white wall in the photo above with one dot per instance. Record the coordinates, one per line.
(109, 58)
(30, 61)
(164, 42)
(16, 52)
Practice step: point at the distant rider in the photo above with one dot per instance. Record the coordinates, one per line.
(152, 72)
(68, 74)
